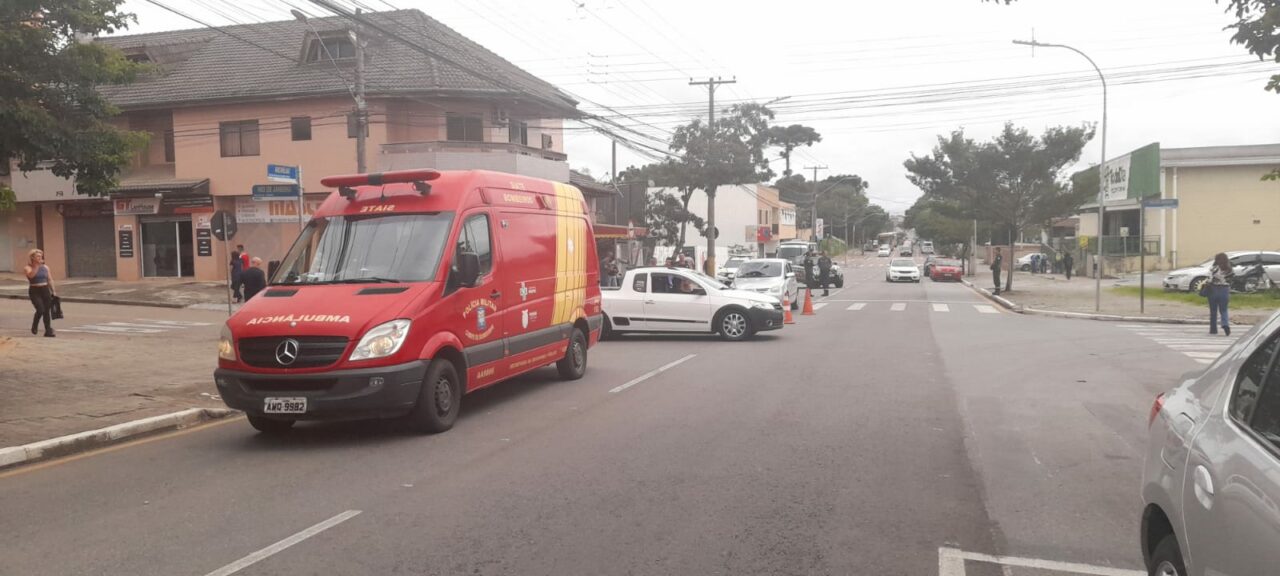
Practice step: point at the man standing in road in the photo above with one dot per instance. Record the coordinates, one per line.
(808, 270)
(237, 272)
(1067, 264)
(254, 279)
(996, 263)
(824, 272)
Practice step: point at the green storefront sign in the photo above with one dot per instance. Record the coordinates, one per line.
(1134, 176)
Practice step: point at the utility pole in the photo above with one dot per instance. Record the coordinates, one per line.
(711, 84)
(813, 210)
(362, 107)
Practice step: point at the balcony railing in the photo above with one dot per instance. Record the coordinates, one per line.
(480, 147)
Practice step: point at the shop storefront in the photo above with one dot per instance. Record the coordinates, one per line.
(87, 228)
(163, 232)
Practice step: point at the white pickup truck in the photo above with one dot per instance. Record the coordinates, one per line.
(682, 300)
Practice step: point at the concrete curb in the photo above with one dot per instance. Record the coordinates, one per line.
(1081, 315)
(46, 449)
(77, 300)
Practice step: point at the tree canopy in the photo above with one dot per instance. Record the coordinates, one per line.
(50, 109)
(789, 138)
(1014, 180)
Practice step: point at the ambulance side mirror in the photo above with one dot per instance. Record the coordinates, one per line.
(468, 268)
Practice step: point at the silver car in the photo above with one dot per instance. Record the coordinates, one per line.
(1211, 482)
(1190, 279)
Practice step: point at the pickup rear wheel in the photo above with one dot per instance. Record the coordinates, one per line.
(734, 325)
(439, 400)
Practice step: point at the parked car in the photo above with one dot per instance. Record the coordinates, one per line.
(729, 269)
(1024, 263)
(681, 300)
(883, 252)
(407, 320)
(902, 269)
(773, 276)
(946, 269)
(1209, 484)
(1190, 279)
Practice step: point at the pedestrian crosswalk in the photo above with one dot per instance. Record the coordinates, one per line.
(134, 327)
(937, 307)
(1194, 342)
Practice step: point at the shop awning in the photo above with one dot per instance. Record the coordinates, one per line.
(615, 232)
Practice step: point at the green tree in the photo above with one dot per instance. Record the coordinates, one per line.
(789, 138)
(932, 223)
(1257, 28)
(667, 217)
(50, 109)
(1014, 180)
(659, 212)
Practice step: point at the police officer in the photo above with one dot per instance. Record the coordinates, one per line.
(808, 269)
(824, 272)
(995, 268)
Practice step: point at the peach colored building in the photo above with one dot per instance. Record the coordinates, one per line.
(219, 110)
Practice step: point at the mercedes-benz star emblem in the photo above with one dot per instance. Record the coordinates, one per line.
(287, 352)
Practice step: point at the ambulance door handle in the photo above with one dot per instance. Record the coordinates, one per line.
(495, 295)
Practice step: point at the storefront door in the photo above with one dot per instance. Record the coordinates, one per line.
(166, 247)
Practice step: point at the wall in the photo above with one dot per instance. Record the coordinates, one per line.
(425, 121)
(1221, 209)
(198, 155)
(735, 210)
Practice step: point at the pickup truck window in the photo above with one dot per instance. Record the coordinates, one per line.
(640, 283)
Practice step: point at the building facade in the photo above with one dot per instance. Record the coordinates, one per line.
(219, 110)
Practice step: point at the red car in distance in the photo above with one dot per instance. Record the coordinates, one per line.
(945, 269)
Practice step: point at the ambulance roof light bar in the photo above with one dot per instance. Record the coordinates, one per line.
(346, 183)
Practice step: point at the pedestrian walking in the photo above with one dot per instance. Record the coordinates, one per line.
(609, 266)
(254, 279)
(1219, 292)
(1067, 264)
(40, 290)
(824, 272)
(996, 263)
(237, 270)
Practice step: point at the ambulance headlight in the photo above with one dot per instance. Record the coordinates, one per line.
(226, 345)
(381, 341)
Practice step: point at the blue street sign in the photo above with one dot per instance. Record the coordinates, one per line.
(281, 173)
(1160, 203)
(275, 191)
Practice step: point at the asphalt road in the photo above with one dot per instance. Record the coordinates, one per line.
(898, 420)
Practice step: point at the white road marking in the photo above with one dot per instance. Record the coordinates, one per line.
(951, 563)
(1191, 341)
(1204, 361)
(1209, 355)
(857, 306)
(280, 546)
(114, 330)
(985, 309)
(176, 322)
(819, 306)
(941, 308)
(652, 373)
(898, 306)
(833, 294)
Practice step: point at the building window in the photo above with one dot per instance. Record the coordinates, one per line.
(301, 127)
(336, 47)
(353, 126)
(518, 133)
(546, 141)
(465, 129)
(168, 145)
(239, 138)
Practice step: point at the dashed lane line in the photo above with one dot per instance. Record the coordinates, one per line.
(651, 374)
(280, 546)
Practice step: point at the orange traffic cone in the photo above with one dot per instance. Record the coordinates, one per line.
(786, 309)
(808, 302)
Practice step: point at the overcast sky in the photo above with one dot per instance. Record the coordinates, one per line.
(879, 79)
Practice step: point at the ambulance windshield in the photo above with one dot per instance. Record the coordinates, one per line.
(376, 248)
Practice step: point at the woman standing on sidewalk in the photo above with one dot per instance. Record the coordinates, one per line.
(1220, 293)
(40, 291)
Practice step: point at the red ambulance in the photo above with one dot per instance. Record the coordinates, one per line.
(409, 289)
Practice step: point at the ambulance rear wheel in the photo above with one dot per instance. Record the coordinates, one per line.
(574, 364)
(269, 426)
(439, 400)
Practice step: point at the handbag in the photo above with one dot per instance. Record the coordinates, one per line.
(1204, 289)
(56, 310)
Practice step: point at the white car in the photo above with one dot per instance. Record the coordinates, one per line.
(1190, 279)
(926, 247)
(1024, 263)
(902, 269)
(726, 272)
(681, 300)
(884, 251)
(772, 276)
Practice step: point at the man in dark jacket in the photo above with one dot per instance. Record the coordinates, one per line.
(254, 279)
(1068, 264)
(808, 269)
(995, 268)
(237, 271)
(824, 272)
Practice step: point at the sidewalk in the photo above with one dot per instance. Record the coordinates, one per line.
(158, 292)
(1053, 292)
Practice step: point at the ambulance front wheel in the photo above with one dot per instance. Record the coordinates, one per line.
(439, 400)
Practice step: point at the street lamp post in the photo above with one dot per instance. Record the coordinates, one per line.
(1097, 291)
